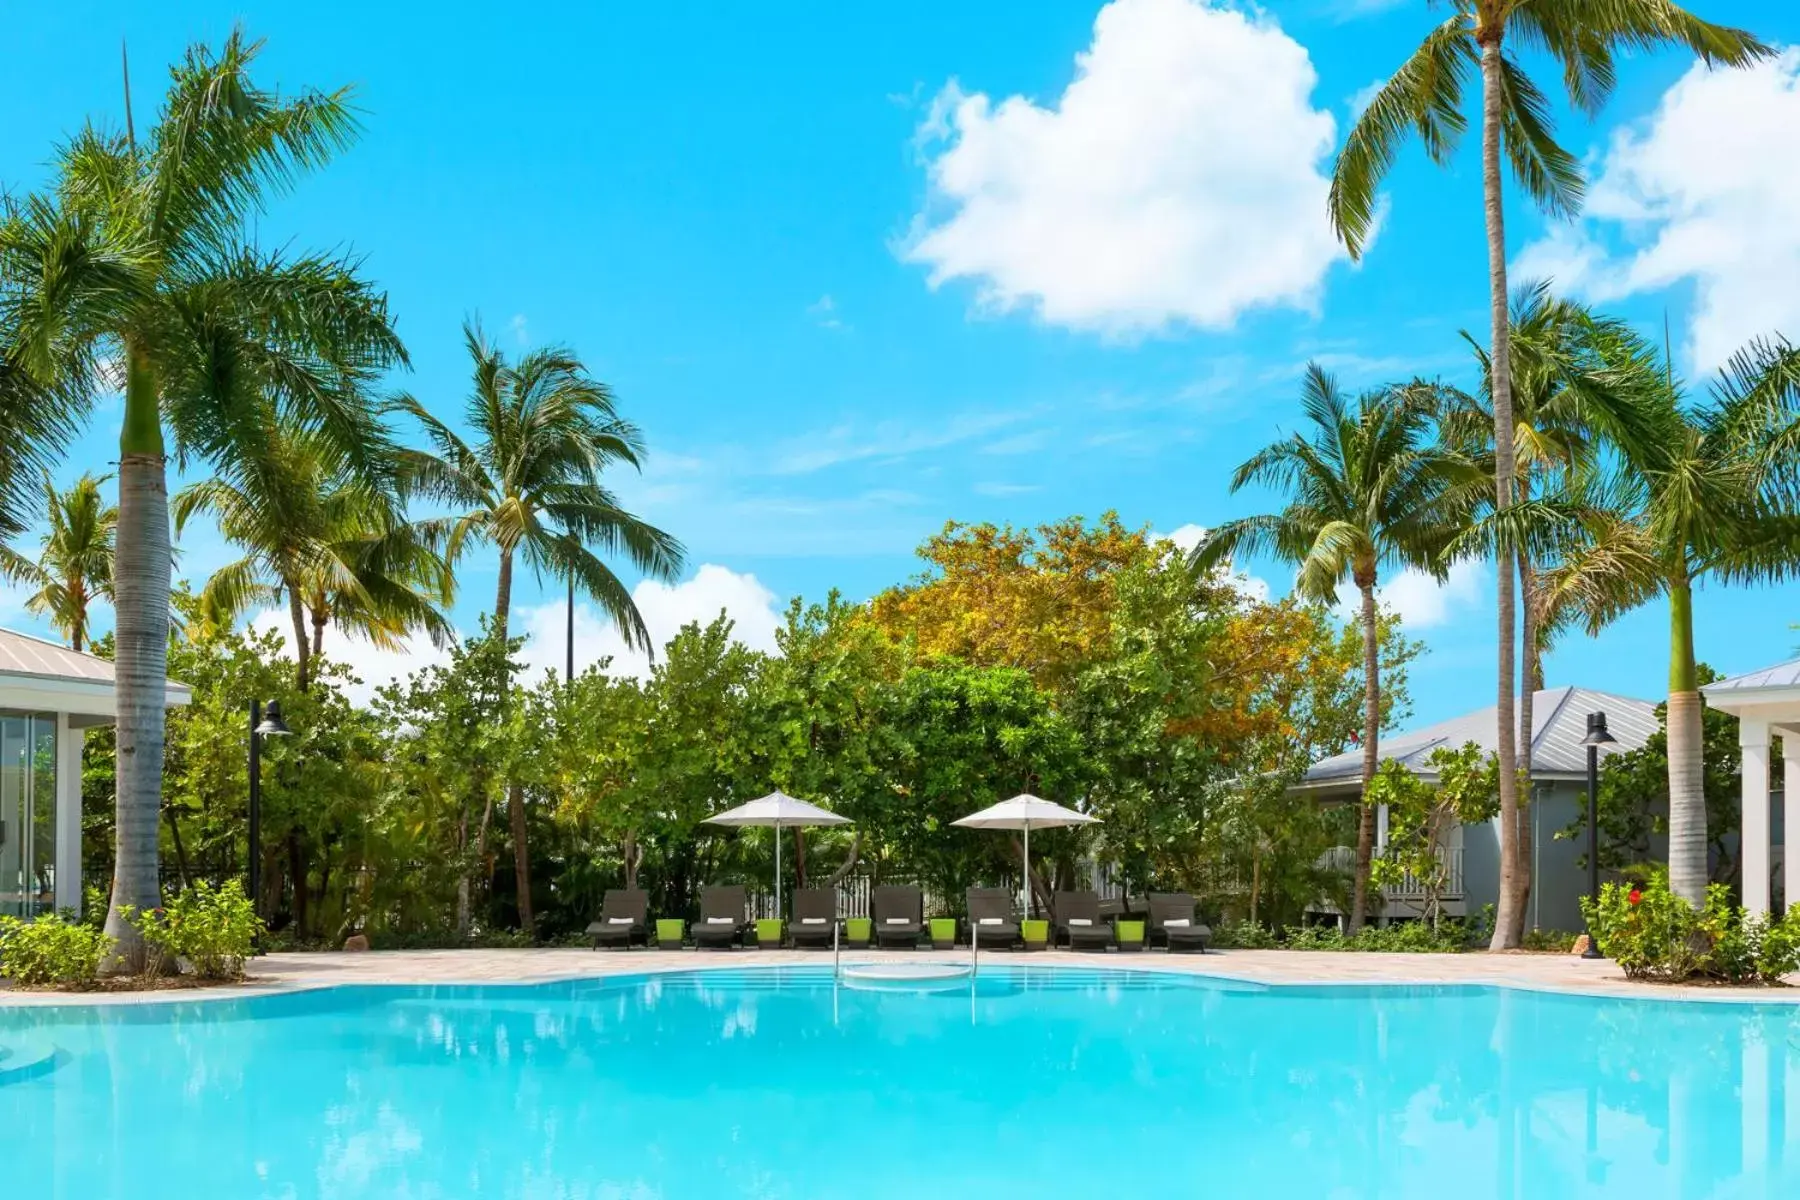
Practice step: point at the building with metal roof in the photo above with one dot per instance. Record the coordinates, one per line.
(49, 697)
(1766, 703)
(1559, 794)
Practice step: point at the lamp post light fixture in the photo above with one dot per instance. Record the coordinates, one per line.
(262, 724)
(1597, 736)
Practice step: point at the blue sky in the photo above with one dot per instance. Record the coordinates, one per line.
(862, 269)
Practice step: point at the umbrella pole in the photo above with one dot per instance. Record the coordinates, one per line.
(778, 872)
(1027, 879)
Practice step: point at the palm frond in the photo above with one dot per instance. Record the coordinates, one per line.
(1425, 95)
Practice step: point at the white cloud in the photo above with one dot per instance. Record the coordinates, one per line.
(824, 311)
(372, 666)
(521, 329)
(1707, 191)
(753, 609)
(1364, 96)
(1421, 602)
(1001, 490)
(1177, 180)
(666, 608)
(1186, 537)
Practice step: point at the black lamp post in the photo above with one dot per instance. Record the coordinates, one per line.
(262, 725)
(1596, 738)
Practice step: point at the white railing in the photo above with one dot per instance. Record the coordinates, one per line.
(1412, 888)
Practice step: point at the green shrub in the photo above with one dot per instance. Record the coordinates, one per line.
(1244, 935)
(51, 951)
(210, 929)
(1653, 934)
(1649, 931)
(1402, 937)
(1548, 940)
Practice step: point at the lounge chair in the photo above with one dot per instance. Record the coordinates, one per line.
(815, 916)
(992, 924)
(721, 920)
(899, 915)
(1172, 919)
(1079, 923)
(622, 919)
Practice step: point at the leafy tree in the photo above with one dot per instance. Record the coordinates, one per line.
(1040, 600)
(1705, 491)
(1426, 96)
(531, 484)
(455, 713)
(1421, 816)
(75, 566)
(1368, 489)
(976, 736)
(142, 252)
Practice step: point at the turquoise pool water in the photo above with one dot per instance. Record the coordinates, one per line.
(773, 1083)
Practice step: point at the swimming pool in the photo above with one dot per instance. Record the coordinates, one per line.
(1045, 1082)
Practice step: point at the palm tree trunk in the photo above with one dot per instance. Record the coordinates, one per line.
(302, 646)
(1510, 912)
(1527, 723)
(515, 792)
(321, 617)
(141, 661)
(1687, 790)
(1371, 752)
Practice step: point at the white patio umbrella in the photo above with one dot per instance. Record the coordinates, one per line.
(1026, 812)
(779, 811)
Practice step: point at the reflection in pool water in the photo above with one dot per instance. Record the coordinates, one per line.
(773, 1083)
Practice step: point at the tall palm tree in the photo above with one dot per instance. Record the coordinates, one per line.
(1426, 96)
(1707, 492)
(140, 253)
(1370, 489)
(328, 542)
(1569, 392)
(75, 567)
(531, 485)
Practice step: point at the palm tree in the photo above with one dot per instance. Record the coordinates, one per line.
(76, 565)
(329, 543)
(531, 484)
(1370, 489)
(140, 254)
(1426, 96)
(1568, 368)
(1709, 491)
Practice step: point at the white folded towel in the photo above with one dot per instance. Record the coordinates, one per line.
(1177, 923)
(812, 920)
(898, 921)
(1079, 921)
(620, 921)
(721, 921)
(990, 921)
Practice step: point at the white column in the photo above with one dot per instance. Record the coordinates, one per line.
(1790, 817)
(1753, 737)
(68, 813)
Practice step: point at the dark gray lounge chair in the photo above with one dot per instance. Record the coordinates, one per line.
(1188, 933)
(992, 922)
(899, 915)
(622, 919)
(722, 921)
(815, 916)
(1079, 923)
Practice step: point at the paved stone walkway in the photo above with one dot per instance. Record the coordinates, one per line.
(1538, 972)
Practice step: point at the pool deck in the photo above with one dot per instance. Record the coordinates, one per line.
(1534, 972)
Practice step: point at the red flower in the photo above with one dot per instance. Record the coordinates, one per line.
(1634, 897)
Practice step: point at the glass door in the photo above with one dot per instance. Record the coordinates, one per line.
(27, 814)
